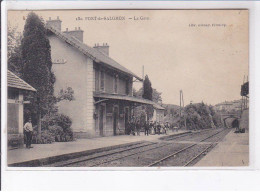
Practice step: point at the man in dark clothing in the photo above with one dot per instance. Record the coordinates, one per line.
(167, 127)
(132, 127)
(146, 128)
(235, 124)
(138, 127)
(159, 128)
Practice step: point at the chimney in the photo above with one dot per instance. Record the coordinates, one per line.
(77, 33)
(56, 23)
(102, 48)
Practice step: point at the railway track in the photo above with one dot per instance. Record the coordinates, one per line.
(100, 154)
(120, 157)
(211, 144)
(197, 157)
(186, 135)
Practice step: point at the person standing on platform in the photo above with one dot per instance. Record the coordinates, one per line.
(159, 128)
(28, 130)
(163, 128)
(155, 127)
(151, 128)
(146, 128)
(138, 126)
(167, 127)
(132, 127)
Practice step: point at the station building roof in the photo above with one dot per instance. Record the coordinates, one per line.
(14, 81)
(93, 53)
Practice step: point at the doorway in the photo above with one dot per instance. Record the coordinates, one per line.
(115, 119)
(101, 120)
(126, 120)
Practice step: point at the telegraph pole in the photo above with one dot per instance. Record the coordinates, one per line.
(185, 123)
(143, 72)
(180, 101)
(242, 103)
(182, 105)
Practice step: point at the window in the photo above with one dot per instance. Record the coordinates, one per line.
(127, 87)
(13, 94)
(116, 84)
(96, 80)
(102, 80)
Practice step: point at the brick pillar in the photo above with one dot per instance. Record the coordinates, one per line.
(90, 122)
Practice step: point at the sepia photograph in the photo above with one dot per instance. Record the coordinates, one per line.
(127, 88)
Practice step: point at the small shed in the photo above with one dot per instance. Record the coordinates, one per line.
(15, 106)
(158, 114)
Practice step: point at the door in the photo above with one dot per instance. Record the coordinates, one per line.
(101, 120)
(126, 120)
(115, 119)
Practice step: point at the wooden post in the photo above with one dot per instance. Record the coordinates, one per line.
(39, 126)
(39, 123)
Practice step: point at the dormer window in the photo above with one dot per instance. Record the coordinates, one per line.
(115, 84)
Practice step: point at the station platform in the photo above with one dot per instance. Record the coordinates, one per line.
(45, 151)
(232, 151)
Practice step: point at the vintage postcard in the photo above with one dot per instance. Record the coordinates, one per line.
(127, 88)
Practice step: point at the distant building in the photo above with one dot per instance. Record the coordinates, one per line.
(158, 114)
(103, 88)
(231, 106)
(15, 107)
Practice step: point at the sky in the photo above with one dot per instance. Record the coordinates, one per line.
(204, 53)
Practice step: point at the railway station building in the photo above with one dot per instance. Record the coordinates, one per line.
(17, 88)
(103, 88)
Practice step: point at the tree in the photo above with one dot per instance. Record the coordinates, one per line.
(201, 116)
(148, 94)
(67, 94)
(36, 56)
(13, 40)
(156, 96)
(14, 55)
(148, 90)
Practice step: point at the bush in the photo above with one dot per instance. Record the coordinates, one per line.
(63, 121)
(44, 138)
(59, 126)
(56, 131)
(201, 116)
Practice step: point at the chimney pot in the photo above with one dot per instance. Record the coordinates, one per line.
(103, 48)
(78, 34)
(54, 23)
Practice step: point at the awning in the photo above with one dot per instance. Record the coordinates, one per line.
(157, 106)
(123, 97)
